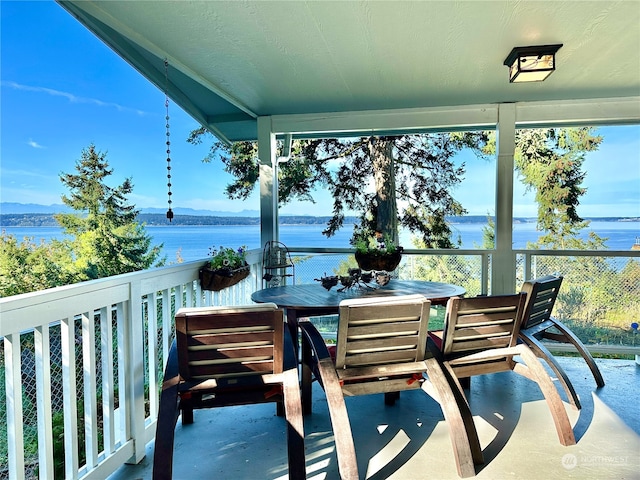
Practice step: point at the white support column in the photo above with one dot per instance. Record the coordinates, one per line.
(503, 266)
(268, 181)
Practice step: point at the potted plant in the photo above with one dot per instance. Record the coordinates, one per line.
(377, 252)
(225, 268)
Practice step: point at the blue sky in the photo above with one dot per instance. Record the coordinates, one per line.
(63, 89)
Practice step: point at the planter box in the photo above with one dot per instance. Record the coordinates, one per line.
(222, 278)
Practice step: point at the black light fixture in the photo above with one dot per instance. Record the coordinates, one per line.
(531, 64)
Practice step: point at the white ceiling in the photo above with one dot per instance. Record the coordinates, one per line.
(232, 61)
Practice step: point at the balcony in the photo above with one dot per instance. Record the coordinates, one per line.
(82, 366)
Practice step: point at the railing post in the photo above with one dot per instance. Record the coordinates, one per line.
(527, 272)
(135, 372)
(484, 274)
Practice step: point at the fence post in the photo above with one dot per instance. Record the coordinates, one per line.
(135, 372)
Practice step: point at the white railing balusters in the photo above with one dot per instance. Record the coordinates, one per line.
(122, 427)
(13, 387)
(152, 352)
(43, 396)
(89, 373)
(68, 343)
(106, 347)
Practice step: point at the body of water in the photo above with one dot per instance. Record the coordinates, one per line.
(193, 242)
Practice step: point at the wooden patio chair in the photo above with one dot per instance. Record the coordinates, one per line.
(381, 348)
(539, 324)
(480, 337)
(226, 356)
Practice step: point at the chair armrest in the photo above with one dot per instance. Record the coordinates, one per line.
(312, 336)
(325, 368)
(293, 410)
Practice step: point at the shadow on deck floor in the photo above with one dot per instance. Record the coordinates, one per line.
(411, 440)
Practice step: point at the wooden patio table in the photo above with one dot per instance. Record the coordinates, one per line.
(310, 300)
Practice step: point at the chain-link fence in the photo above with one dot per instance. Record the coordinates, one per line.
(599, 298)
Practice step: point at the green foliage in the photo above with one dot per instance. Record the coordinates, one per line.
(489, 234)
(376, 243)
(26, 266)
(106, 238)
(455, 269)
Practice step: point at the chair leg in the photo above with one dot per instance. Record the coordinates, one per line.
(391, 397)
(462, 430)
(295, 429)
(533, 369)
(187, 411)
(345, 448)
(541, 351)
(595, 371)
(306, 377)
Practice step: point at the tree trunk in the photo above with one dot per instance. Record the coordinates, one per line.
(381, 152)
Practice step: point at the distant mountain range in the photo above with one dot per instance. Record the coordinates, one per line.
(21, 208)
(34, 215)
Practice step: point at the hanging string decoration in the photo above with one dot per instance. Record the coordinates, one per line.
(166, 104)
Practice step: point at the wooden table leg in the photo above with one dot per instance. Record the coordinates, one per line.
(307, 379)
(292, 323)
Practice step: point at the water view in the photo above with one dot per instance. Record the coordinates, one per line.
(193, 242)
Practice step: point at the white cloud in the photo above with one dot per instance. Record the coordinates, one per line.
(34, 144)
(72, 98)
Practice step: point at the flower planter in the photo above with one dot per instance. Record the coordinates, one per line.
(387, 262)
(221, 278)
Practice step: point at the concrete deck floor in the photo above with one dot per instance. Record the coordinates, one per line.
(411, 440)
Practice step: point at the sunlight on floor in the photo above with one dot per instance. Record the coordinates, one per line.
(388, 453)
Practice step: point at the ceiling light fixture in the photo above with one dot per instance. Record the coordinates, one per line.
(531, 64)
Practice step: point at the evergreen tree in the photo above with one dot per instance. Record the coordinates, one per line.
(549, 162)
(107, 240)
(413, 177)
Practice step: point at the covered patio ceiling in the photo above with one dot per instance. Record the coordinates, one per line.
(231, 62)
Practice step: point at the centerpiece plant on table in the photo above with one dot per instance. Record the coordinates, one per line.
(377, 252)
(226, 267)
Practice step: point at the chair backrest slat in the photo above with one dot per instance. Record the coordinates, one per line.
(542, 294)
(481, 323)
(382, 330)
(222, 342)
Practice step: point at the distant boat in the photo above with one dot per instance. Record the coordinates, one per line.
(636, 246)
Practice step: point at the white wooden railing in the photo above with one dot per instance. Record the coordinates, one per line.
(98, 348)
